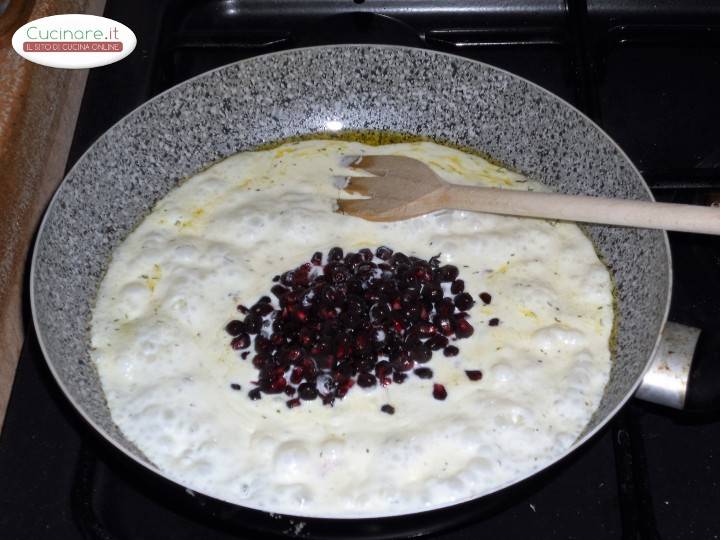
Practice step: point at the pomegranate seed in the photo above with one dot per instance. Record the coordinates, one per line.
(325, 361)
(353, 260)
(424, 372)
(474, 374)
(339, 274)
(254, 394)
(240, 342)
(451, 350)
(262, 309)
(279, 290)
(384, 253)
(445, 307)
(463, 329)
(367, 255)
(347, 368)
(253, 323)
(412, 340)
(307, 391)
(244, 355)
(426, 329)
(309, 368)
(432, 292)
(494, 322)
(335, 254)
(366, 362)
(439, 391)
(399, 258)
(290, 298)
(364, 270)
(344, 387)
(421, 354)
(464, 301)
(242, 309)
(297, 375)
(292, 403)
(485, 297)
(366, 380)
(403, 362)
(383, 369)
(307, 336)
(411, 312)
(289, 390)
(263, 344)
(277, 385)
(316, 258)
(399, 378)
(447, 273)
(327, 295)
(327, 313)
(389, 409)
(235, 328)
(362, 342)
(437, 342)
(457, 286)
(422, 273)
(301, 275)
(260, 360)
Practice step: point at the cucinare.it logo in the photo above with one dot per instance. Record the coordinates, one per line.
(74, 41)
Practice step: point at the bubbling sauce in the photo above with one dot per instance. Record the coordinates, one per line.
(513, 396)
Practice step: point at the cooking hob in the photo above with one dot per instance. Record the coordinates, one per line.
(648, 74)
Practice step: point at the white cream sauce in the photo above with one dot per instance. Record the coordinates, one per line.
(165, 363)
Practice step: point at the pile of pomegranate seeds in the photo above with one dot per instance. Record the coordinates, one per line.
(358, 318)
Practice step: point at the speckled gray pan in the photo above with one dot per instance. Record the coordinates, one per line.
(242, 105)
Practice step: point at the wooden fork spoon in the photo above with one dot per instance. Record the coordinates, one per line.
(403, 187)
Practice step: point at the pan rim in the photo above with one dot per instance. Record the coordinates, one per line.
(300, 50)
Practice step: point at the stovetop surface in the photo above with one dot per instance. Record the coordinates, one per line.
(648, 75)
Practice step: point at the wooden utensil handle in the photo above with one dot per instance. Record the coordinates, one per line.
(644, 214)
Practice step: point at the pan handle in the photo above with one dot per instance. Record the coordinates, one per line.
(685, 371)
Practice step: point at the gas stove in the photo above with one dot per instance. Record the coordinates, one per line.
(648, 74)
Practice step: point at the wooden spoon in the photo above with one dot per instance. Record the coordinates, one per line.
(404, 187)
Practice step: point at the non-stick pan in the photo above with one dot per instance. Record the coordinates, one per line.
(249, 103)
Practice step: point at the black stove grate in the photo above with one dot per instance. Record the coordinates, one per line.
(648, 75)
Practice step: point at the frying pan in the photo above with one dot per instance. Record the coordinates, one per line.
(243, 105)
